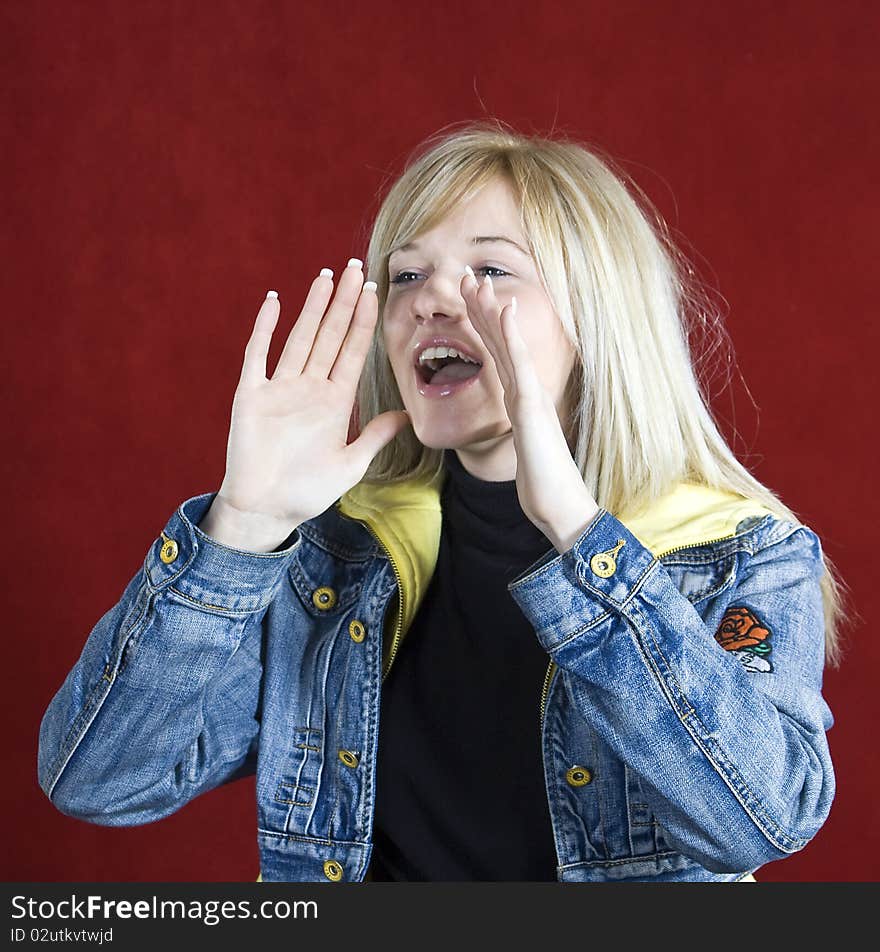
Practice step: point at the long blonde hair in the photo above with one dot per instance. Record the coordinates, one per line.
(628, 300)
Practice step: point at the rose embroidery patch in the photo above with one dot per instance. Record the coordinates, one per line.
(746, 636)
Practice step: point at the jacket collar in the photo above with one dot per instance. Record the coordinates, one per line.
(406, 519)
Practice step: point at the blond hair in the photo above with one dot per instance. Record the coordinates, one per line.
(627, 299)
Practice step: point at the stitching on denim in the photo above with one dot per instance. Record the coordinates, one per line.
(95, 697)
(299, 838)
(332, 547)
(335, 782)
(608, 613)
(584, 628)
(279, 798)
(628, 809)
(305, 584)
(600, 798)
(299, 764)
(558, 830)
(631, 860)
(714, 592)
(711, 588)
(555, 773)
(164, 580)
(131, 636)
(223, 609)
(91, 705)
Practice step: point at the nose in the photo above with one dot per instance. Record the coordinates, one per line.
(440, 296)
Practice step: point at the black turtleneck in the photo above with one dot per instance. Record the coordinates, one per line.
(460, 792)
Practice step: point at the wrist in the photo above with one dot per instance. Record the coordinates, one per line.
(568, 527)
(248, 531)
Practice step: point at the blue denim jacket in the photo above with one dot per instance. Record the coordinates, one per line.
(682, 720)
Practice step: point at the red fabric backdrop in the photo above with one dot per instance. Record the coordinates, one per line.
(166, 163)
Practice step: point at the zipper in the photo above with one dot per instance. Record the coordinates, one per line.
(694, 545)
(548, 677)
(395, 641)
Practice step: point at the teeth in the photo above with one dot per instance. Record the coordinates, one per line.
(431, 353)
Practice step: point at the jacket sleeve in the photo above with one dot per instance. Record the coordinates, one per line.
(733, 756)
(164, 701)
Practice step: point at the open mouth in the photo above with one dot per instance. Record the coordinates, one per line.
(440, 370)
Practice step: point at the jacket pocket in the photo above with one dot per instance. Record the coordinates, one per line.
(327, 585)
(698, 581)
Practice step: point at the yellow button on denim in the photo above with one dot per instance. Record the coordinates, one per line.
(168, 552)
(332, 870)
(604, 564)
(578, 776)
(348, 758)
(324, 598)
(357, 631)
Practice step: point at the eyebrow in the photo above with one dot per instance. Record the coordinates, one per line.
(476, 240)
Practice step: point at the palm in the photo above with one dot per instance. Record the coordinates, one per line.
(287, 455)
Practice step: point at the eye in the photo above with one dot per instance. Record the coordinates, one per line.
(401, 276)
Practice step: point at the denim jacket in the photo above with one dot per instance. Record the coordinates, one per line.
(682, 720)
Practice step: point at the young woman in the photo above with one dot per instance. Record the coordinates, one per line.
(536, 622)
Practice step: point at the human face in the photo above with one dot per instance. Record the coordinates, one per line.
(425, 301)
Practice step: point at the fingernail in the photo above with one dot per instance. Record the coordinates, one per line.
(354, 263)
(488, 280)
(470, 271)
(271, 294)
(326, 273)
(513, 304)
(369, 286)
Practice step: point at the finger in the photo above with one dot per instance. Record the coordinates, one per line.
(302, 335)
(350, 363)
(335, 324)
(525, 375)
(486, 311)
(469, 289)
(253, 368)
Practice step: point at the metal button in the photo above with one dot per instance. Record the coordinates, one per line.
(578, 776)
(332, 870)
(357, 631)
(604, 564)
(348, 758)
(324, 598)
(169, 550)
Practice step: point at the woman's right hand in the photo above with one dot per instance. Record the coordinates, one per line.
(288, 458)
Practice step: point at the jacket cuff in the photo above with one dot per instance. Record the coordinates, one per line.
(564, 595)
(213, 575)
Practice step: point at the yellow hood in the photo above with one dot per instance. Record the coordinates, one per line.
(406, 519)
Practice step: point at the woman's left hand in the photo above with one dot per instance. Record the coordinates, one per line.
(549, 485)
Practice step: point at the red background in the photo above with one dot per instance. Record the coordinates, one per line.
(164, 164)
